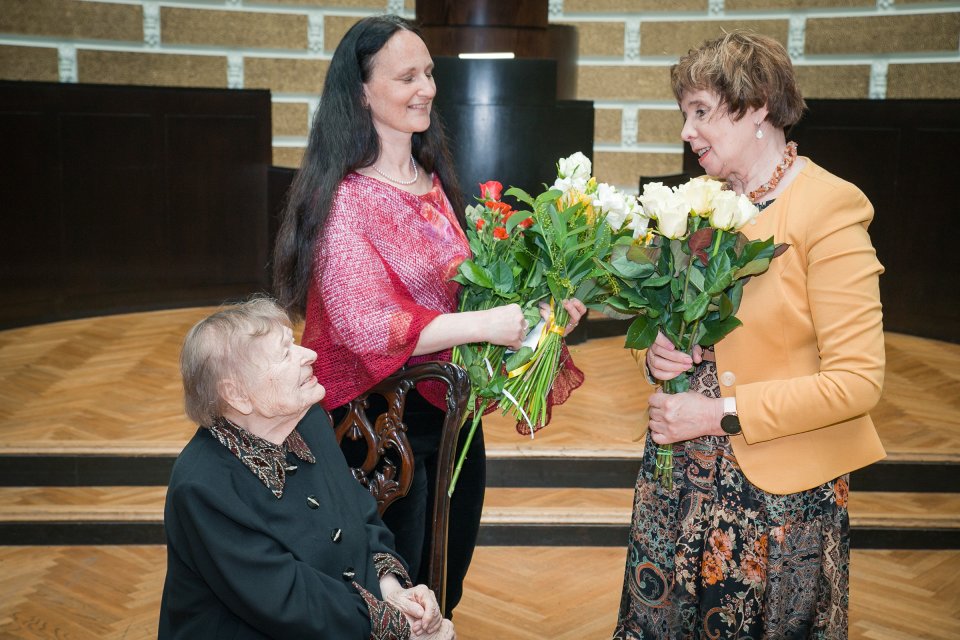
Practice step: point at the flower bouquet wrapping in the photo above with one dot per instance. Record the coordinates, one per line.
(689, 274)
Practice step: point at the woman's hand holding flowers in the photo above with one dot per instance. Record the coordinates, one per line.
(666, 362)
(676, 417)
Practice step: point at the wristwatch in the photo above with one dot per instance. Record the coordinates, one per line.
(730, 422)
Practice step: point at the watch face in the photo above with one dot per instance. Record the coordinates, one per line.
(730, 424)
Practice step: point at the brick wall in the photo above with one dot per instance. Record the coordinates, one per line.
(855, 49)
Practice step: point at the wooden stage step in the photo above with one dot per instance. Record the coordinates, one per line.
(511, 516)
(511, 593)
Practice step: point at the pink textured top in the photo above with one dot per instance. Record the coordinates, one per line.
(382, 273)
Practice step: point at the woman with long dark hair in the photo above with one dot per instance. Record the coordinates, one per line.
(371, 236)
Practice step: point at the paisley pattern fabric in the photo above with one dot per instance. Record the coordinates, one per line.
(266, 460)
(386, 621)
(386, 563)
(717, 558)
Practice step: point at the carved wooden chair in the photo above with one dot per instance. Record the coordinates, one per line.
(387, 460)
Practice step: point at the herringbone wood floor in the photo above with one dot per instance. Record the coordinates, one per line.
(512, 593)
(111, 384)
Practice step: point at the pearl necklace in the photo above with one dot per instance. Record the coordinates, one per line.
(416, 174)
(789, 155)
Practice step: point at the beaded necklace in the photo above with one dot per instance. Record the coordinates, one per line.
(416, 173)
(789, 155)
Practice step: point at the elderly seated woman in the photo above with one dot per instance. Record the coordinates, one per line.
(268, 533)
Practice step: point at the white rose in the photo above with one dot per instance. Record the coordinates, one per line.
(672, 217)
(724, 210)
(699, 194)
(612, 203)
(746, 212)
(668, 208)
(575, 168)
(637, 219)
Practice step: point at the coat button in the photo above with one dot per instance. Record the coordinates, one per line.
(312, 502)
(349, 573)
(290, 469)
(336, 535)
(727, 378)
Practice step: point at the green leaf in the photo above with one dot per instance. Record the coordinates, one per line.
(519, 358)
(696, 277)
(726, 307)
(717, 275)
(658, 281)
(502, 277)
(696, 308)
(476, 274)
(520, 195)
(642, 333)
(715, 331)
(752, 268)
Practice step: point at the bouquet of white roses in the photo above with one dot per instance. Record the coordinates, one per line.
(688, 274)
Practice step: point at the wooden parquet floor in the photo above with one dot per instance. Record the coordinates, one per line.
(110, 384)
(512, 593)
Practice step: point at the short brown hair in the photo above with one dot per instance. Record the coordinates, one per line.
(746, 70)
(218, 347)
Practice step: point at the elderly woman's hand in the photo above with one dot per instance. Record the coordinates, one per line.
(666, 362)
(676, 417)
(418, 604)
(444, 632)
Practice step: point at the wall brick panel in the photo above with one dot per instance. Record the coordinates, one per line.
(175, 70)
(624, 169)
(766, 5)
(933, 80)
(334, 4)
(29, 63)
(599, 38)
(656, 125)
(290, 118)
(632, 6)
(676, 38)
(623, 83)
(72, 19)
(883, 34)
(834, 81)
(607, 125)
(285, 75)
(288, 156)
(334, 28)
(232, 28)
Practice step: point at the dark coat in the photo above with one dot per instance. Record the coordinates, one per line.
(242, 563)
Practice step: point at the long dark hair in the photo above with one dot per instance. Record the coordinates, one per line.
(343, 139)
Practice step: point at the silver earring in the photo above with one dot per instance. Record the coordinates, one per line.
(759, 133)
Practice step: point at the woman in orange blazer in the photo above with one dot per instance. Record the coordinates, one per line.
(752, 541)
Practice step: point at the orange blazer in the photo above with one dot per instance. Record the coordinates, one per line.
(807, 365)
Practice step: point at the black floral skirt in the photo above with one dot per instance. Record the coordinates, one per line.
(718, 558)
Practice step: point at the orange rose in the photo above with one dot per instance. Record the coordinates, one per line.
(500, 233)
(526, 224)
(480, 223)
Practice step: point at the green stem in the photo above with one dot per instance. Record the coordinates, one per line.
(477, 414)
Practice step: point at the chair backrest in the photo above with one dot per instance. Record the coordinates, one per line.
(387, 466)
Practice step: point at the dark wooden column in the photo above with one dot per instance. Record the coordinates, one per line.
(521, 27)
